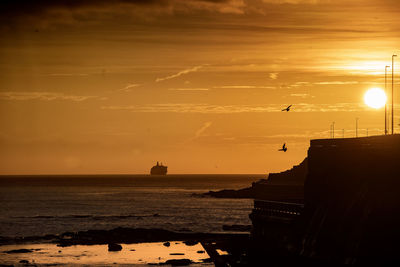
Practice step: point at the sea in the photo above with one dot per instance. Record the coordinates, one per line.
(54, 204)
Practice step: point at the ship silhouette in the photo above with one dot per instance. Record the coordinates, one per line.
(158, 169)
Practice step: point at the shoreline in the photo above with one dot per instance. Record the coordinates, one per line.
(118, 235)
(213, 246)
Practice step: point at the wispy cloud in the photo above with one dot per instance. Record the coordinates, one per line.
(295, 2)
(183, 72)
(200, 131)
(45, 96)
(303, 137)
(188, 89)
(227, 109)
(243, 87)
(302, 95)
(273, 75)
(68, 74)
(337, 82)
(129, 87)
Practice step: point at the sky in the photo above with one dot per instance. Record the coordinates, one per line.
(111, 87)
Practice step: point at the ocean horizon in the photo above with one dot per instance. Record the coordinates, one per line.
(54, 204)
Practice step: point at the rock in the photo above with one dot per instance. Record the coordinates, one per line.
(237, 227)
(167, 244)
(190, 242)
(185, 230)
(24, 261)
(114, 247)
(22, 250)
(178, 262)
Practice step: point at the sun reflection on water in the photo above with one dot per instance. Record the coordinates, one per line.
(131, 254)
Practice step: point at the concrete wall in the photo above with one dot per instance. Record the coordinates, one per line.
(352, 201)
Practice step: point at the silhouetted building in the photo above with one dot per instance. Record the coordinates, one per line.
(351, 212)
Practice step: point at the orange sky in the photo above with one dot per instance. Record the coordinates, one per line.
(113, 86)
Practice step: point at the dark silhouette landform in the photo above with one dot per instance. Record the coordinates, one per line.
(283, 186)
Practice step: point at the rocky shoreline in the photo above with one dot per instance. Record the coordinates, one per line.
(114, 238)
(119, 235)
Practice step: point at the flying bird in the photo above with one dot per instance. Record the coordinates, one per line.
(284, 148)
(287, 109)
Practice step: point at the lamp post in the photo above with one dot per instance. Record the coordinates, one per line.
(392, 87)
(386, 130)
(356, 127)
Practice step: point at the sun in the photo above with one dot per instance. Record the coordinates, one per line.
(375, 98)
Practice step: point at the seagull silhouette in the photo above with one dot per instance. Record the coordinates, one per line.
(287, 109)
(284, 148)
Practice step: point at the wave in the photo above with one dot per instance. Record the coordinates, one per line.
(95, 217)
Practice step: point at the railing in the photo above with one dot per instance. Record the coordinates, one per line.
(265, 208)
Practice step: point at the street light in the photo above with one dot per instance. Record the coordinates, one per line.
(386, 130)
(356, 127)
(392, 86)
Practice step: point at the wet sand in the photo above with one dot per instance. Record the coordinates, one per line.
(140, 254)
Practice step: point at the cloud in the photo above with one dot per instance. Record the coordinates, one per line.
(45, 96)
(244, 87)
(68, 74)
(273, 75)
(183, 72)
(303, 137)
(43, 13)
(302, 95)
(188, 89)
(231, 109)
(129, 87)
(200, 131)
(337, 82)
(296, 2)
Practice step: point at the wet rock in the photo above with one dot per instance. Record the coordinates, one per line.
(190, 242)
(178, 262)
(237, 227)
(22, 250)
(167, 244)
(114, 247)
(185, 230)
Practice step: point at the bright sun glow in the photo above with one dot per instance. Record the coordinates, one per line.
(375, 98)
